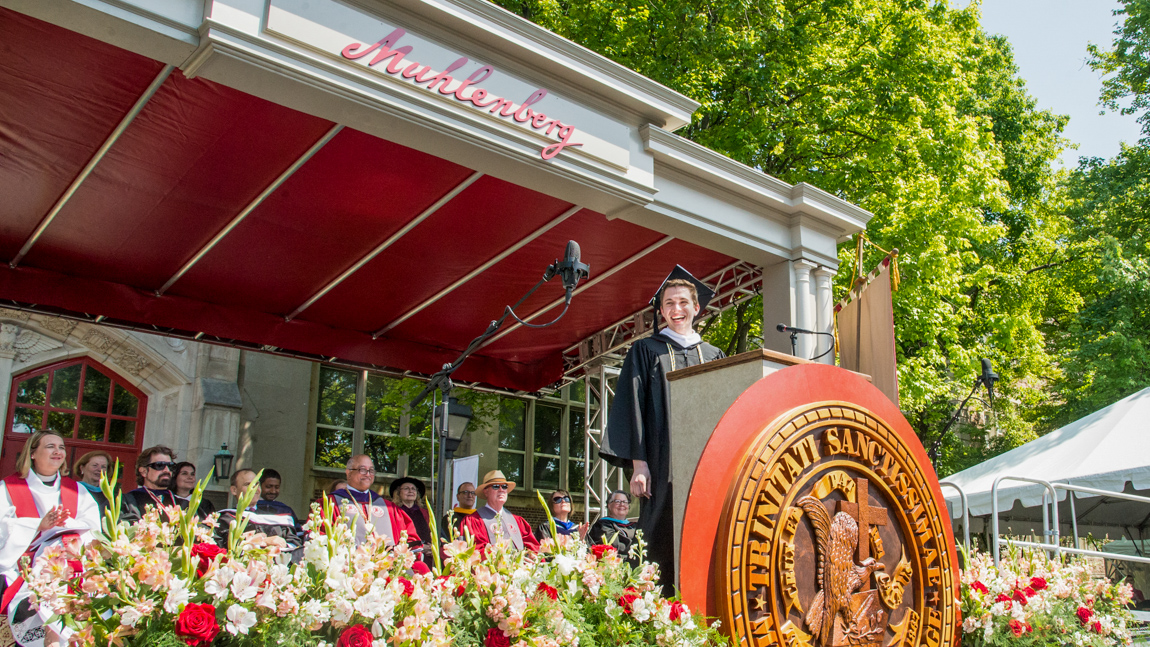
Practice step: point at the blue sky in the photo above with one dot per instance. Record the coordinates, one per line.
(1049, 39)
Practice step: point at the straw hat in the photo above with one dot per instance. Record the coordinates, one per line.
(495, 476)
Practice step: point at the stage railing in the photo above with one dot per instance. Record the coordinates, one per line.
(1050, 524)
(965, 512)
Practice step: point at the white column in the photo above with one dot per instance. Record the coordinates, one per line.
(804, 306)
(824, 314)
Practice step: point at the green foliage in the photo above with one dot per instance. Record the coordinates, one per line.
(904, 107)
(1127, 65)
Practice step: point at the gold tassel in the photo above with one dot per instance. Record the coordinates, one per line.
(859, 259)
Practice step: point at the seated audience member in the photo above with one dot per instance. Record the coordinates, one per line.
(337, 484)
(88, 470)
(614, 529)
(154, 471)
(39, 507)
(464, 505)
(561, 513)
(368, 507)
(270, 481)
(182, 486)
(493, 519)
(272, 525)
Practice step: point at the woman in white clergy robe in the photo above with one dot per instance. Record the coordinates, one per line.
(38, 506)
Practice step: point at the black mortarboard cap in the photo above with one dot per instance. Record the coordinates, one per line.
(705, 293)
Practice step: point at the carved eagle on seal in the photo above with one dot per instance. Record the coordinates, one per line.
(838, 575)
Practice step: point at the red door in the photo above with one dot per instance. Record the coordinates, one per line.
(85, 402)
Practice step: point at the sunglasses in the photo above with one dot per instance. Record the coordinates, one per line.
(561, 499)
(498, 486)
(160, 466)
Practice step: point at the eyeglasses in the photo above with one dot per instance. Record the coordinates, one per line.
(561, 499)
(619, 502)
(498, 486)
(362, 470)
(467, 493)
(160, 466)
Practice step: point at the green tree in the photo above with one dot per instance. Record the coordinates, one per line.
(1102, 338)
(904, 107)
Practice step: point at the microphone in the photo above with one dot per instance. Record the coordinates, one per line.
(570, 270)
(988, 377)
(786, 328)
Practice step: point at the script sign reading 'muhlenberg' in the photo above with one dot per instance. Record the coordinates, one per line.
(834, 538)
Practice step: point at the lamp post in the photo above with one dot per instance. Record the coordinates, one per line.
(223, 463)
(451, 419)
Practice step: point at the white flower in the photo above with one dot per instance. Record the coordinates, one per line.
(177, 596)
(217, 585)
(375, 604)
(130, 616)
(239, 620)
(566, 564)
(242, 587)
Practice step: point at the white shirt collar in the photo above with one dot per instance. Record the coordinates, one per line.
(686, 341)
(497, 512)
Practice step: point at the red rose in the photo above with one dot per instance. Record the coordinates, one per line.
(460, 590)
(1029, 592)
(628, 598)
(1020, 596)
(601, 549)
(677, 611)
(420, 568)
(980, 587)
(354, 636)
(496, 638)
(1084, 614)
(408, 587)
(1097, 626)
(549, 591)
(197, 624)
(1017, 628)
(206, 553)
(1037, 583)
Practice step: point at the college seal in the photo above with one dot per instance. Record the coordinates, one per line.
(832, 537)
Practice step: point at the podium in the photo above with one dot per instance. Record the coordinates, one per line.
(792, 479)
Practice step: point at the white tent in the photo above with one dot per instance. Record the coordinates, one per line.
(1107, 450)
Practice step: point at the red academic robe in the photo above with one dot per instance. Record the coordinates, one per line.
(474, 524)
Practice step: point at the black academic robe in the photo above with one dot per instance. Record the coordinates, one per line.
(616, 533)
(639, 429)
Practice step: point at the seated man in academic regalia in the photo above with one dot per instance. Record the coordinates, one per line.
(368, 507)
(155, 470)
(639, 427)
(615, 529)
(464, 506)
(271, 523)
(493, 520)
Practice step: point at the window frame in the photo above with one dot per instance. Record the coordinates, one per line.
(566, 403)
(359, 420)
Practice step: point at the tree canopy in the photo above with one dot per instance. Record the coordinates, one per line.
(906, 108)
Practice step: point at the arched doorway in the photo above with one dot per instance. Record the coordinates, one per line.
(87, 403)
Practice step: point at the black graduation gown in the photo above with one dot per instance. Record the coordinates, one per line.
(623, 533)
(638, 428)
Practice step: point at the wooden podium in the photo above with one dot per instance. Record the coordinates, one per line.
(788, 477)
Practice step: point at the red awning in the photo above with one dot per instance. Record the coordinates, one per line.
(356, 255)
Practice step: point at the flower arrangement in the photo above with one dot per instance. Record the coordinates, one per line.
(1030, 599)
(162, 581)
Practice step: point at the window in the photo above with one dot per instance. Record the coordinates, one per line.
(541, 441)
(80, 400)
(361, 413)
